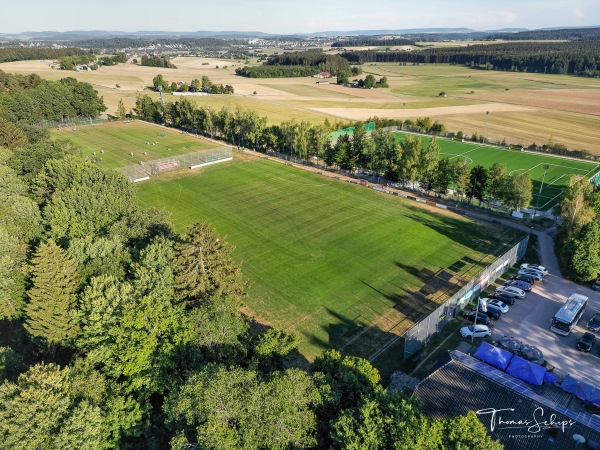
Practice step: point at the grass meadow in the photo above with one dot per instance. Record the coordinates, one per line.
(341, 265)
(556, 178)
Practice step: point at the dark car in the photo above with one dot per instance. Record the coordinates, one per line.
(586, 343)
(594, 323)
(524, 285)
(504, 298)
(491, 311)
(596, 285)
(524, 277)
(481, 318)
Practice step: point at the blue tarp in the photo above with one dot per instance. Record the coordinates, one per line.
(595, 397)
(549, 377)
(582, 390)
(527, 371)
(494, 356)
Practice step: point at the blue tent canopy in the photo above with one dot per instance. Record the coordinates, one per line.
(494, 356)
(549, 377)
(569, 384)
(527, 371)
(595, 397)
(584, 391)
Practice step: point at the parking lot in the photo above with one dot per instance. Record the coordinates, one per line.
(529, 321)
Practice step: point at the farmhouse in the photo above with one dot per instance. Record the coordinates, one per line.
(324, 75)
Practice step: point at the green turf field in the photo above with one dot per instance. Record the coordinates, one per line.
(339, 264)
(556, 178)
(119, 139)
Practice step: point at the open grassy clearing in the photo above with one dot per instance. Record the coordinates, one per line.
(534, 108)
(118, 139)
(341, 265)
(557, 175)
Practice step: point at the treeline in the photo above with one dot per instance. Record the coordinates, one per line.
(157, 61)
(578, 239)
(123, 42)
(276, 71)
(17, 82)
(575, 57)
(325, 63)
(196, 85)
(23, 54)
(547, 35)
(368, 41)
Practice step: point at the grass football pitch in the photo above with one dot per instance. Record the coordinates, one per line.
(147, 142)
(341, 265)
(556, 178)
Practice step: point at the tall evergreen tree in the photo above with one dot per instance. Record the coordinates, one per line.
(53, 296)
(204, 267)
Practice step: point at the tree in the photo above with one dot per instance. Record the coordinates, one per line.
(206, 83)
(121, 111)
(575, 208)
(428, 162)
(369, 82)
(586, 253)
(410, 160)
(462, 176)
(271, 347)
(203, 267)
(386, 154)
(195, 86)
(477, 183)
(11, 136)
(467, 431)
(443, 177)
(383, 82)
(519, 191)
(496, 182)
(232, 408)
(52, 297)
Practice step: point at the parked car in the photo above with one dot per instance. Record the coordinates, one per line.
(490, 311)
(524, 277)
(594, 323)
(519, 284)
(511, 290)
(537, 276)
(475, 331)
(505, 298)
(499, 304)
(586, 342)
(535, 267)
(596, 285)
(481, 317)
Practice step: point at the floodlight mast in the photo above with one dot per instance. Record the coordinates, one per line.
(160, 89)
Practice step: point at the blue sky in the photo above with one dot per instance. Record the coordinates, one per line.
(299, 16)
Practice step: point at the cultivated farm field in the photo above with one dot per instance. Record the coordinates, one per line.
(555, 180)
(523, 107)
(341, 265)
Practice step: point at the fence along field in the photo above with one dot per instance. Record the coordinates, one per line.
(556, 178)
(340, 265)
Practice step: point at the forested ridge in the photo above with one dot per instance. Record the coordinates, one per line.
(301, 64)
(567, 33)
(9, 54)
(574, 57)
(117, 332)
(369, 41)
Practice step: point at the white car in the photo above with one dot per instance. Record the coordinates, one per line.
(511, 290)
(534, 267)
(475, 331)
(498, 304)
(537, 276)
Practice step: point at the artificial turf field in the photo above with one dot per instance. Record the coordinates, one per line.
(119, 139)
(341, 265)
(556, 179)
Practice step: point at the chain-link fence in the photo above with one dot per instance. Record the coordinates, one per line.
(69, 122)
(143, 171)
(419, 334)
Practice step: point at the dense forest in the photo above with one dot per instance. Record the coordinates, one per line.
(276, 71)
(119, 333)
(328, 63)
(547, 35)
(22, 54)
(33, 100)
(370, 41)
(157, 61)
(575, 57)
